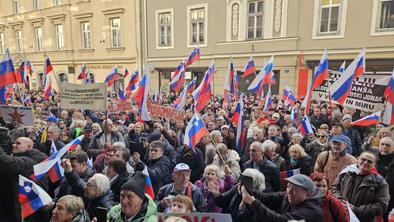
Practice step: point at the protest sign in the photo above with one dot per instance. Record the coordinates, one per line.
(125, 106)
(86, 96)
(366, 93)
(199, 217)
(17, 115)
(165, 112)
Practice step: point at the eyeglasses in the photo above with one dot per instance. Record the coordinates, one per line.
(366, 160)
(322, 136)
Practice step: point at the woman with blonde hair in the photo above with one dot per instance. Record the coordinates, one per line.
(182, 204)
(211, 177)
(299, 159)
(226, 158)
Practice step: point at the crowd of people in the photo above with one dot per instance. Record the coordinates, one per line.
(337, 167)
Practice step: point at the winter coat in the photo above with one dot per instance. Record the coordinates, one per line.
(97, 142)
(195, 194)
(390, 180)
(194, 160)
(271, 174)
(355, 138)
(45, 147)
(334, 210)
(275, 207)
(315, 148)
(232, 159)
(11, 166)
(224, 185)
(134, 143)
(147, 213)
(304, 164)
(116, 184)
(104, 201)
(229, 202)
(74, 184)
(369, 194)
(159, 171)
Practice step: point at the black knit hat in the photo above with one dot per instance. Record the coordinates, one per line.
(136, 184)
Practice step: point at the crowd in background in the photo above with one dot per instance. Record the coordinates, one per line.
(340, 166)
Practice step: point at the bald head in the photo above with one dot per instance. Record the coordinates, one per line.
(22, 144)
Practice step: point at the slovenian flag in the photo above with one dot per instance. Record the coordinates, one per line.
(369, 120)
(193, 57)
(56, 173)
(43, 167)
(148, 184)
(7, 71)
(31, 196)
(195, 131)
(305, 127)
(249, 68)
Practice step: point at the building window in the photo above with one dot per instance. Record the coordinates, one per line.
(16, 6)
(386, 15)
(329, 16)
(165, 21)
(2, 44)
(18, 40)
(59, 37)
(255, 19)
(115, 32)
(57, 2)
(38, 36)
(36, 4)
(63, 77)
(197, 24)
(86, 39)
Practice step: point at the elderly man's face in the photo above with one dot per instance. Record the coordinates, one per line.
(296, 194)
(60, 212)
(130, 202)
(90, 191)
(366, 162)
(386, 146)
(181, 178)
(255, 153)
(52, 134)
(337, 147)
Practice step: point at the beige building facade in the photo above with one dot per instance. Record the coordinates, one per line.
(71, 33)
(234, 30)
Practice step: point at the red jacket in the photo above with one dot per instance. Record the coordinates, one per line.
(334, 210)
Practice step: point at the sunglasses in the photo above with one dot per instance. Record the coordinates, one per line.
(366, 160)
(322, 136)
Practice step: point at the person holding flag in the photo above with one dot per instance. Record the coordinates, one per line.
(21, 162)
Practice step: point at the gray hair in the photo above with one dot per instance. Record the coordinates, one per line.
(269, 145)
(292, 129)
(258, 179)
(119, 145)
(213, 168)
(102, 183)
(74, 204)
(258, 144)
(215, 134)
(295, 135)
(54, 129)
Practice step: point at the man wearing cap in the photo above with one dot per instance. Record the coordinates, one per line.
(52, 121)
(134, 205)
(301, 201)
(88, 135)
(353, 134)
(181, 185)
(331, 162)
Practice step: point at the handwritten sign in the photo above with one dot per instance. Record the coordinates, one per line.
(87, 96)
(165, 112)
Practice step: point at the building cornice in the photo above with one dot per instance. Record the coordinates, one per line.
(84, 15)
(113, 11)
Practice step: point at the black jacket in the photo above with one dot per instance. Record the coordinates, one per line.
(271, 174)
(275, 207)
(45, 147)
(74, 184)
(194, 160)
(355, 138)
(159, 171)
(11, 166)
(116, 185)
(105, 201)
(304, 164)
